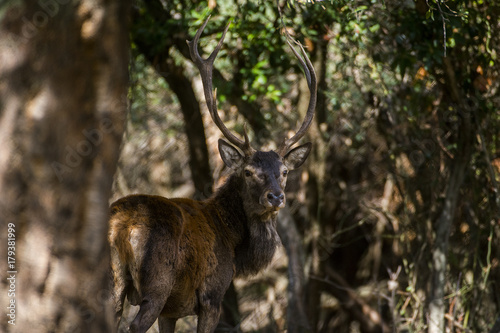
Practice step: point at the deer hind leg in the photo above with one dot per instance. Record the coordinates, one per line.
(119, 299)
(155, 290)
(155, 293)
(150, 309)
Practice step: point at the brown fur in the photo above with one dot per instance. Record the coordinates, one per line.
(177, 257)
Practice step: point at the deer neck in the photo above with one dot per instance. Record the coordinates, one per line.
(252, 231)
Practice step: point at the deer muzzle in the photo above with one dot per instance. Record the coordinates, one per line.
(273, 199)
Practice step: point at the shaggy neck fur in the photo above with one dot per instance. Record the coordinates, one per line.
(253, 231)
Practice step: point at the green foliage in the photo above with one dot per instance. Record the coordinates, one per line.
(148, 95)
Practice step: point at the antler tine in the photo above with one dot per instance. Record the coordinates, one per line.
(205, 67)
(312, 84)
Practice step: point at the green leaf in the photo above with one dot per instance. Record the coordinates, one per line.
(374, 27)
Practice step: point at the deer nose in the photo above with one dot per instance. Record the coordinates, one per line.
(275, 200)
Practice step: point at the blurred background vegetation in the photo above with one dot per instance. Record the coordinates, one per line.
(393, 223)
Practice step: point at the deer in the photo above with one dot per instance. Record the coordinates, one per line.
(177, 257)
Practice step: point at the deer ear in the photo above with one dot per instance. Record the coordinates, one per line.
(297, 156)
(230, 155)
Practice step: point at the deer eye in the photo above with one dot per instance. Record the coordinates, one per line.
(285, 173)
(248, 173)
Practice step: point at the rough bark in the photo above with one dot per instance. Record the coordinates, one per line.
(63, 86)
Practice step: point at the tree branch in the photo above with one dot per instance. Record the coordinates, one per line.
(368, 318)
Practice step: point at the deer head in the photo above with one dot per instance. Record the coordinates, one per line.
(264, 174)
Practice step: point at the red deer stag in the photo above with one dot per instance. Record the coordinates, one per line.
(177, 257)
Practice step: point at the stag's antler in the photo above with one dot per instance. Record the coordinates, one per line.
(206, 66)
(312, 84)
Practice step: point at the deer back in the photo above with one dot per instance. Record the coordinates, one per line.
(176, 234)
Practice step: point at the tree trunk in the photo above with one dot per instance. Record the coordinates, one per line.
(63, 93)
(442, 228)
(297, 320)
(193, 127)
(437, 306)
